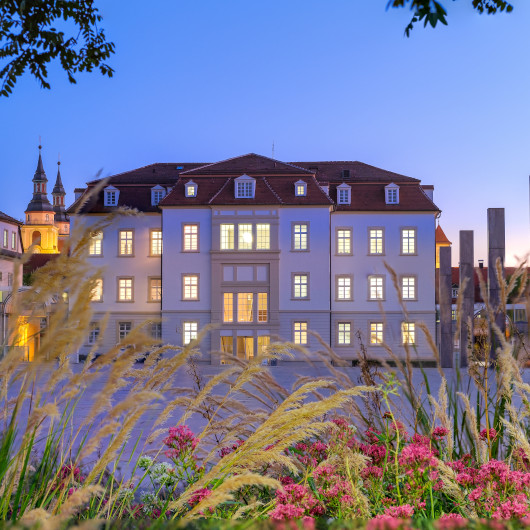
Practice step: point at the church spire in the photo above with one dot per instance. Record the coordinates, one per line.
(39, 202)
(58, 195)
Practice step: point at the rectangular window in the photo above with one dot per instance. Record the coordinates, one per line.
(156, 331)
(344, 245)
(408, 333)
(376, 287)
(375, 236)
(97, 291)
(158, 195)
(93, 333)
(344, 333)
(244, 237)
(376, 332)
(125, 289)
(245, 302)
(155, 245)
(227, 347)
(6, 238)
(300, 236)
(228, 307)
(190, 287)
(408, 241)
(344, 288)
(408, 288)
(124, 328)
(189, 332)
(300, 332)
(95, 245)
(519, 315)
(126, 243)
(245, 347)
(13, 240)
(263, 307)
(9, 279)
(227, 237)
(263, 236)
(155, 289)
(111, 198)
(300, 286)
(453, 314)
(245, 190)
(190, 238)
(264, 342)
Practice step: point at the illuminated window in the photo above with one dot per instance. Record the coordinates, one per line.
(408, 288)
(244, 236)
(190, 238)
(97, 291)
(124, 328)
(408, 241)
(245, 347)
(263, 236)
(126, 242)
(227, 237)
(155, 289)
(344, 333)
(155, 243)
(227, 347)
(228, 307)
(376, 287)
(392, 194)
(95, 247)
(125, 289)
(300, 188)
(263, 313)
(453, 314)
(190, 287)
(13, 240)
(245, 303)
(300, 286)
(6, 238)
(344, 288)
(190, 189)
(93, 333)
(189, 332)
(376, 332)
(408, 333)
(300, 332)
(344, 241)
(264, 342)
(376, 241)
(300, 236)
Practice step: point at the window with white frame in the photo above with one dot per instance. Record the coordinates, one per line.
(263, 307)
(155, 242)
(376, 332)
(111, 196)
(190, 286)
(376, 287)
(124, 328)
(263, 236)
(13, 240)
(300, 332)
(343, 194)
(10, 279)
(245, 307)
(392, 194)
(244, 239)
(95, 245)
(157, 194)
(344, 287)
(6, 238)
(453, 314)
(300, 188)
(245, 187)
(93, 333)
(156, 331)
(155, 289)
(408, 333)
(344, 245)
(454, 292)
(344, 333)
(227, 232)
(97, 291)
(408, 288)
(408, 241)
(125, 289)
(300, 236)
(125, 243)
(190, 189)
(189, 332)
(228, 307)
(190, 238)
(300, 285)
(376, 242)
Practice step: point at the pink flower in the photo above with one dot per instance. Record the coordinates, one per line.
(385, 522)
(180, 441)
(286, 512)
(198, 496)
(405, 511)
(451, 521)
(417, 457)
(511, 510)
(227, 450)
(439, 433)
(372, 472)
(484, 434)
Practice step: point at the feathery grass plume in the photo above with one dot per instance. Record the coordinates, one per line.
(451, 488)
(243, 511)
(76, 499)
(471, 420)
(432, 345)
(441, 414)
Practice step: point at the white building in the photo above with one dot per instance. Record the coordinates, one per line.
(10, 250)
(265, 249)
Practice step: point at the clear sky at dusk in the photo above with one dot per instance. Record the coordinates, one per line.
(205, 80)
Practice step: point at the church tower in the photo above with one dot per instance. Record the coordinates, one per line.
(61, 220)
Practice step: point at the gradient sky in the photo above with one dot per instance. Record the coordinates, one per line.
(205, 80)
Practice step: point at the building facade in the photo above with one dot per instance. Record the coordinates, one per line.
(265, 250)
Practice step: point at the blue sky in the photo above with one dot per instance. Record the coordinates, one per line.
(205, 80)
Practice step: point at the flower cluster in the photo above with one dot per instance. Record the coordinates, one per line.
(180, 442)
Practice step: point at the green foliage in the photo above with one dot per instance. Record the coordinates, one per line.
(29, 39)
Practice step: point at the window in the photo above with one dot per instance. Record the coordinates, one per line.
(125, 289)
(93, 333)
(344, 333)
(245, 187)
(9, 279)
(300, 286)
(126, 242)
(263, 343)
(263, 236)
(376, 288)
(157, 194)
(245, 347)
(300, 236)
(228, 307)
(155, 289)
(453, 314)
(376, 333)
(190, 240)
(408, 241)
(244, 240)
(408, 333)
(155, 243)
(375, 236)
(13, 240)
(124, 328)
(408, 288)
(190, 287)
(190, 189)
(263, 313)
(95, 245)
(111, 196)
(344, 241)
(300, 332)
(156, 331)
(454, 292)
(343, 194)
(519, 315)
(245, 302)
(97, 291)
(392, 194)
(6, 238)
(300, 188)
(343, 288)
(227, 237)
(189, 332)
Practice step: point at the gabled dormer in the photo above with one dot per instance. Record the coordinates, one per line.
(344, 194)
(392, 193)
(300, 188)
(157, 194)
(111, 196)
(190, 189)
(245, 187)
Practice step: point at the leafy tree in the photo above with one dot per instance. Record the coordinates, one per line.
(30, 40)
(432, 11)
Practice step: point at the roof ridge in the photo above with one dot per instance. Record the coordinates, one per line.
(273, 192)
(220, 189)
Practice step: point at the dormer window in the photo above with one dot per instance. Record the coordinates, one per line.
(344, 194)
(157, 194)
(245, 187)
(300, 188)
(112, 195)
(392, 193)
(190, 189)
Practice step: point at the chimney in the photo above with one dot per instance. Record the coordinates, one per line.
(480, 263)
(78, 192)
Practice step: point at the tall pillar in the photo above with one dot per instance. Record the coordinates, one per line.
(444, 299)
(468, 302)
(496, 251)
